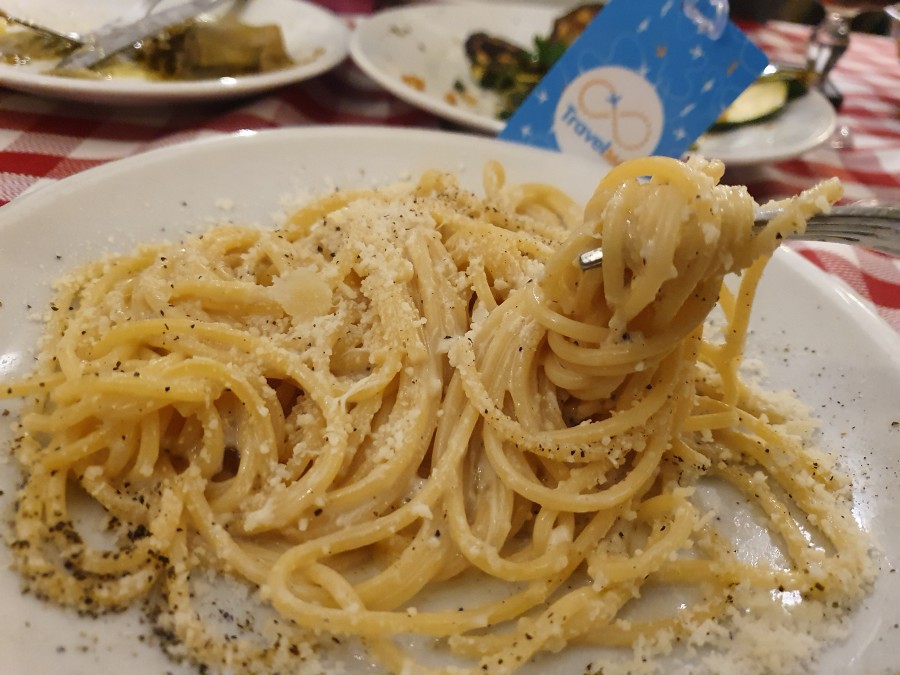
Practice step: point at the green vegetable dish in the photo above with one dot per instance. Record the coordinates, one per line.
(512, 71)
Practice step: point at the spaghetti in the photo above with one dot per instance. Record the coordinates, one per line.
(414, 389)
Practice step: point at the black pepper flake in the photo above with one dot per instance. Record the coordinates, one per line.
(138, 533)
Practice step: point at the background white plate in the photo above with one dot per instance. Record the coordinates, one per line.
(306, 28)
(427, 42)
(83, 17)
(806, 123)
(849, 373)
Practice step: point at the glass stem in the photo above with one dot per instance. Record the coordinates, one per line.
(827, 44)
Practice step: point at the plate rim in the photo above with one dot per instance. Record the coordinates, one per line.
(341, 132)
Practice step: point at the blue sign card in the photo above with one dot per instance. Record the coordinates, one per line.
(643, 79)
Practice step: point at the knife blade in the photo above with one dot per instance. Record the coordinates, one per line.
(108, 41)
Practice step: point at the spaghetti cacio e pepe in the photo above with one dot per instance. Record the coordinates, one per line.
(413, 387)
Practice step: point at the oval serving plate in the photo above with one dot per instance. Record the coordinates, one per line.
(849, 374)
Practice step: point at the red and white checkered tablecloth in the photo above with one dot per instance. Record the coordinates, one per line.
(868, 76)
(44, 140)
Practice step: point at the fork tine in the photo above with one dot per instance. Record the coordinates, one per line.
(875, 227)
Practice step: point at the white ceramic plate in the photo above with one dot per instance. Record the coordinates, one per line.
(315, 38)
(850, 372)
(806, 123)
(424, 44)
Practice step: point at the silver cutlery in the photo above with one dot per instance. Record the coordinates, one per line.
(875, 227)
(110, 40)
(113, 37)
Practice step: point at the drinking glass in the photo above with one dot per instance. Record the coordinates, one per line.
(828, 42)
(894, 13)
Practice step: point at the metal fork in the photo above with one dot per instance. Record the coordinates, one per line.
(875, 227)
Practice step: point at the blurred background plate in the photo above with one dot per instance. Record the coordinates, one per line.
(805, 123)
(314, 37)
(417, 53)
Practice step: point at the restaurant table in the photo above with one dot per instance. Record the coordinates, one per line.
(44, 140)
